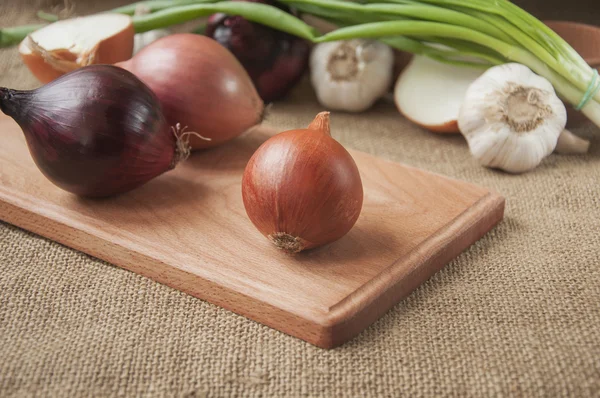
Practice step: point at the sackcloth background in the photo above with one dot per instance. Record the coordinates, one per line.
(516, 315)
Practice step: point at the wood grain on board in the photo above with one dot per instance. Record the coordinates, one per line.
(188, 229)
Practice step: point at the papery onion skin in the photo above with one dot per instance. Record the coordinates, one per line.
(200, 85)
(302, 189)
(95, 132)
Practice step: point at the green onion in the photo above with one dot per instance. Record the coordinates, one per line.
(476, 33)
(11, 36)
(157, 5)
(256, 12)
(431, 13)
(46, 16)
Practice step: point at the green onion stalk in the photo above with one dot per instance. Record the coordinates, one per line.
(471, 33)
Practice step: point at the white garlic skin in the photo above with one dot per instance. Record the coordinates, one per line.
(491, 138)
(141, 40)
(367, 77)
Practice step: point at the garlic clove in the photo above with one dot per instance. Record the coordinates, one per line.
(69, 44)
(570, 144)
(511, 118)
(429, 93)
(351, 75)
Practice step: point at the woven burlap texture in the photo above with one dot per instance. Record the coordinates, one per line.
(517, 314)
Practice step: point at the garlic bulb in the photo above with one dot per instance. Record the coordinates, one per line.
(351, 75)
(141, 40)
(511, 118)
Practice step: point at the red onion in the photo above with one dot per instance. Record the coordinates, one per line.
(274, 60)
(200, 85)
(96, 131)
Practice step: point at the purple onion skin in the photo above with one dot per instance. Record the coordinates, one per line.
(97, 131)
(274, 60)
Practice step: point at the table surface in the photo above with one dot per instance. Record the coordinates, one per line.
(515, 315)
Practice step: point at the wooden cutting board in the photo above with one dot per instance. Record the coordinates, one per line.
(188, 229)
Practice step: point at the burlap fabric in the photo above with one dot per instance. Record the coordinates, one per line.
(518, 314)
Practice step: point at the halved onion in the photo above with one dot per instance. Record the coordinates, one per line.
(66, 45)
(430, 93)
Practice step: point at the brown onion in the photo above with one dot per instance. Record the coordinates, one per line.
(302, 189)
(201, 85)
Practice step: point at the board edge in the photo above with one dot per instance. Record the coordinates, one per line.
(344, 321)
(364, 306)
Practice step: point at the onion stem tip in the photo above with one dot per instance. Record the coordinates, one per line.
(321, 123)
(6, 105)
